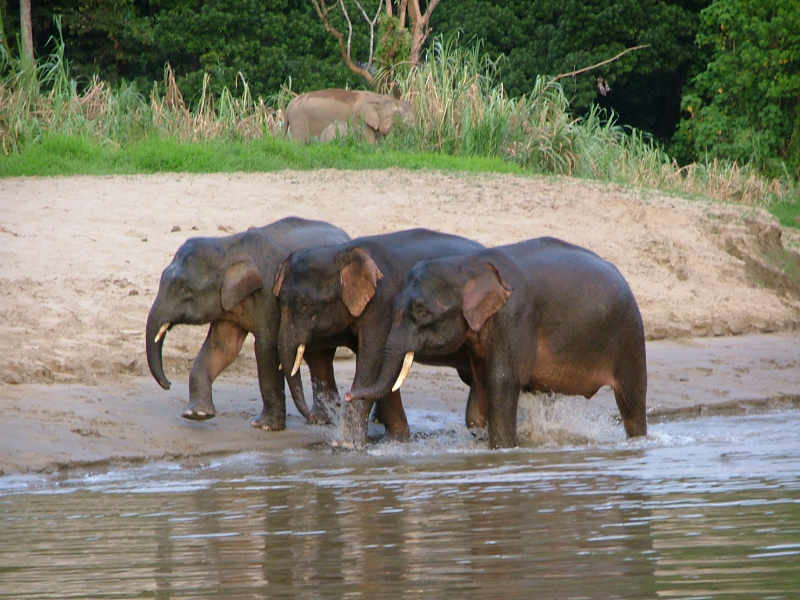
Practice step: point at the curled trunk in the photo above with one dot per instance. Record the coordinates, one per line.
(298, 396)
(287, 351)
(154, 345)
(392, 364)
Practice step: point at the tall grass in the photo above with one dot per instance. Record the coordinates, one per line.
(462, 110)
(44, 98)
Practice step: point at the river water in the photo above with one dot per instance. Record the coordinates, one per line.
(706, 508)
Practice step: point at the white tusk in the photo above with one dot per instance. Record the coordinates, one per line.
(280, 367)
(298, 359)
(161, 332)
(407, 360)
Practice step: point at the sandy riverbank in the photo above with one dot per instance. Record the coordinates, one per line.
(81, 258)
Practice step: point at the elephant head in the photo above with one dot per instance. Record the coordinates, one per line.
(442, 305)
(321, 292)
(199, 286)
(380, 112)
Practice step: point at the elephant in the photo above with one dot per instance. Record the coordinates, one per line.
(342, 295)
(333, 130)
(221, 281)
(539, 315)
(309, 114)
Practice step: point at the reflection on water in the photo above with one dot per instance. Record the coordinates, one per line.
(703, 508)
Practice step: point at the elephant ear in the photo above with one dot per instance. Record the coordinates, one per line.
(484, 294)
(390, 109)
(239, 281)
(359, 278)
(369, 112)
(279, 276)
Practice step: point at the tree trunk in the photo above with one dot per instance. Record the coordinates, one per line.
(26, 29)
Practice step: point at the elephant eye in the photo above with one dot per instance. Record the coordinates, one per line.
(420, 313)
(181, 289)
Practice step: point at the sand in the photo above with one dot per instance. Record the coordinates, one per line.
(80, 259)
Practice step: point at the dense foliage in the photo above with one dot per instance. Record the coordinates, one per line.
(559, 36)
(724, 73)
(270, 42)
(745, 104)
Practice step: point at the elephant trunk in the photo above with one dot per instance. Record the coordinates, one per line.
(396, 364)
(287, 354)
(155, 333)
(298, 396)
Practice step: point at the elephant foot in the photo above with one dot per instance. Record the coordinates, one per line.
(478, 423)
(402, 435)
(265, 422)
(481, 434)
(199, 411)
(318, 418)
(346, 445)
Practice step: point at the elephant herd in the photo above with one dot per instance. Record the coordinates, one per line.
(541, 314)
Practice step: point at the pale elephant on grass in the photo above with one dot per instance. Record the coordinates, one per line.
(329, 111)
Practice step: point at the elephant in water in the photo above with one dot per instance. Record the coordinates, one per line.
(311, 114)
(540, 315)
(221, 281)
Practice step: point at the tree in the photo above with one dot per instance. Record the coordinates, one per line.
(26, 29)
(745, 105)
(549, 37)
(401, 25)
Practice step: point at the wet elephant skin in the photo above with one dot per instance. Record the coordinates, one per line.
(344, 295)
(539, 315)
(225, 282)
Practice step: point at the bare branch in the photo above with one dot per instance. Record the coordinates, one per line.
(600, 64)
(372, 23)
(420, 26)
(349, 26)
(401, 13)
(26, 28)
(322, 12)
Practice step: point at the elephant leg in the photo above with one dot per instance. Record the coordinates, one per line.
(271, 384)
(221, 347)
(389, 411)
(352, 430)
(323, 386)
(503, 396)
(630, 391)
(477, 413)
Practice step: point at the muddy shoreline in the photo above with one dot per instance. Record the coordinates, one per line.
(131, 419)
(717, 286)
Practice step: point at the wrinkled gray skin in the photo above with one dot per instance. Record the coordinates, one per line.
(343, 295)
(541, 315)
(226, 281)
(316, 114)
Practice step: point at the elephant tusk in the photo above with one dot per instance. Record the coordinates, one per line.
(161, 332)
(407, 360)
(297, 359)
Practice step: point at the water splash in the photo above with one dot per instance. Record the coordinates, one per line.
(553, 420)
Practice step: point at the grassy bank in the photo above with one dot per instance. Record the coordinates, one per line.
(63, 154)
(465, 121)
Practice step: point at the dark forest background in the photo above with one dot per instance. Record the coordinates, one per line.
(719, 79)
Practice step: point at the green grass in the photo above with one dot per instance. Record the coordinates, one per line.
(61, 154)
(787, 212)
